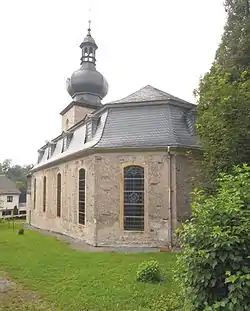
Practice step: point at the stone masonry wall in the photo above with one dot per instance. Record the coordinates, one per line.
(108, 168)
(104, 212)
(185, 180)
(74, 115)
(68, 222)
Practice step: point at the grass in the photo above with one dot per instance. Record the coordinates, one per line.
(72, 281)
(19, 299)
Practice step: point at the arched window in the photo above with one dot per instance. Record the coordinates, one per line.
(82, 197)
(59, 194)
(133, 198)
(34, 194)
(44, 193)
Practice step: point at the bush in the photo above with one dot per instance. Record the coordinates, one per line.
(149, 271)
(21, 231)
(15, 211)
(214, 268)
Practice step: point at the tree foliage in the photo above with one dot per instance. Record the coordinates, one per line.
(215, 265)
(18, 174)
(223, 122)
(233, 52)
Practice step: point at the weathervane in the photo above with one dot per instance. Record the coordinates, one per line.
(89, 29)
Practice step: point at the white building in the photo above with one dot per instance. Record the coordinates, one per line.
(9, 196)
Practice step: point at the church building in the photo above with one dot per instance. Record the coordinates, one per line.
(119, 174)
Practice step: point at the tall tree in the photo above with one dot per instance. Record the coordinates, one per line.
(233, 52)
(223, 122)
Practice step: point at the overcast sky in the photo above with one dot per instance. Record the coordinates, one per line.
(166, 43)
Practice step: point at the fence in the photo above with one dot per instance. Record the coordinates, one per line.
(21, 216)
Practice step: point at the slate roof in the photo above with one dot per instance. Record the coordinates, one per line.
(148, 93)
(148, 118)
(147, 126)
(7, 186)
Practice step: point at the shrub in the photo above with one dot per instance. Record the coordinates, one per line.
(15, 211)
(21, 231)
(214, 268)
(149, 271)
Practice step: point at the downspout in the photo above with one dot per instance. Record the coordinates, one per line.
(95, 215)
(96, 239)
(170, 197)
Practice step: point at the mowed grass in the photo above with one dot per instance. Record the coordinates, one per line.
(73, 280)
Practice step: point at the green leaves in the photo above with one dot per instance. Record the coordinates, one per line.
(223, 122)
(215, 264)
(149, 271)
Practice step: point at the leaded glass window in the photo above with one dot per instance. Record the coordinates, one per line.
(82, 197)
(133, 198)
(44, 193)
(59, 194)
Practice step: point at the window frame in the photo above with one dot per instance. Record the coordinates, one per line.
(85, 196)
(58, 195)
(122, 199)
(44, 193)
(10, 198)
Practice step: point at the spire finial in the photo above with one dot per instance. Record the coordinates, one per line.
(89, 29)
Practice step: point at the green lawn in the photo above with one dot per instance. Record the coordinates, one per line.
(77, 281)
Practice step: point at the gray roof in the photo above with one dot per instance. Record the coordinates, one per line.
(7, 186)
(158, 125)
(162, 120)
(148, 93)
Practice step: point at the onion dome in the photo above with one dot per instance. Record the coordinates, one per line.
(87, 84)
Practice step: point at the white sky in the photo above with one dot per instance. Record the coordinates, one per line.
(166, 43)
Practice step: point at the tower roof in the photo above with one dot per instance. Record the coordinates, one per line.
(87, 84)
(88, 39)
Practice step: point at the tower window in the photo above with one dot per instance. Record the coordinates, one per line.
(59, 195)
(82, 196)
(44, 193)
(133, 198)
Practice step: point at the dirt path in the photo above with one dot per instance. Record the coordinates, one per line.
(15, 298)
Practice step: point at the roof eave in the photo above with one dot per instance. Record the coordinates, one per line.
(96, 149)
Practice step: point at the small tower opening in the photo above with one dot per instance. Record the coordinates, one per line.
(88, 47)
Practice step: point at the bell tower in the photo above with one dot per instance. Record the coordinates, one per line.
(86, 86)
(89, 48)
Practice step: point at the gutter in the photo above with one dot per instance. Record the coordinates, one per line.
(170, 198)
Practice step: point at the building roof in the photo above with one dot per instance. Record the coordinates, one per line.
(148, 118)
(148, 93)
(158, 125)
(7, 186)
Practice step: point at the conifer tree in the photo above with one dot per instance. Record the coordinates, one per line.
(223, 122)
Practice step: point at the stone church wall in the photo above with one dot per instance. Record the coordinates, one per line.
(68, 222)
(104, 212)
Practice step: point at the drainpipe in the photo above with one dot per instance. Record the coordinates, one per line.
(95, 224)
(169, 197)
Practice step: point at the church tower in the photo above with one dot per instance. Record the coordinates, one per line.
(87, 86)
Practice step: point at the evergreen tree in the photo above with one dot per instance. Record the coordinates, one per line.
(223, 122)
